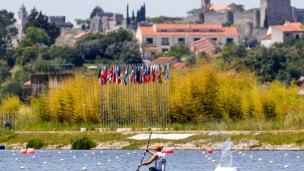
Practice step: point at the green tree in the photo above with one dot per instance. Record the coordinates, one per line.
(4, 70)
(128, 18)
(194, 12)
(25, 55)
(66, 54)
(37, 19)
(133, 16)
(96, 10)
(7, 31)
(35, 36)
(238, 7)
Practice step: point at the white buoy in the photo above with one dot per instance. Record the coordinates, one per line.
(240, 152)
(260, 159)
(17, 159)
(59, 152)
(85, 154)
(128, 153)
(13, 154)
(93, 153)
(12, 151)
(117, 157)
(134, 151)
(298, 157)
(209, 158)
(41, 151)
(71, 151)
(62, 159)
(109, 160)
(251, 156)
(44, 162)
(213, 161)
(100, 151)
(243, 154)
(22, 167)
(99, 164)
(286, 166)
(74, 157)
(84, 168)
(33, 156)
(203, 153)
(285, 154)
(219, 168)
(206, 156)
(271, 162)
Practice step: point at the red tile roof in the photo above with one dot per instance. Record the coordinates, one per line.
(28, 83)
(268, 36)
(290, 27)
(220, 7)
(162, 60)
(179, 65)
(226, 31)
(205, 44)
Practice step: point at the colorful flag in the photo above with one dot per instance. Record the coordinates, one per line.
(153, 73)
(143, 75)
(126, 75)
(110, 74)
(167, 72)
(99, 75)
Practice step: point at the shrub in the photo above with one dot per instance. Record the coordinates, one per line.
(83, 143)
(35, 143)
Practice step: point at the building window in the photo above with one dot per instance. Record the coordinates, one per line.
(181, 41)
(165, 42)
(180, 30)
(195, 30)
(297, 37)
(196, 39)
(164, 50)
(163, 30)
(152, 53)
(215, 39)
(149, 40)
(287, 34)
(229, 40)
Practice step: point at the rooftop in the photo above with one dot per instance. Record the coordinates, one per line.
(187, 30)
(205, 44)
(290, 27)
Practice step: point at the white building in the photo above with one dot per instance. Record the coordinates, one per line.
(161, 37)
(283, 33)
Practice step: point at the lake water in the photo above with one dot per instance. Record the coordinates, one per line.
(125, 160)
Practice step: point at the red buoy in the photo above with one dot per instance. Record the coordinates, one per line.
(168, 150)
(30, 151)
(23, 151)
(209, 150)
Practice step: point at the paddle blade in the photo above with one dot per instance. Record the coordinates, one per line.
(168, 150)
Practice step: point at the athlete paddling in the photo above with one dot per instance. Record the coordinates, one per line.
(158, 157)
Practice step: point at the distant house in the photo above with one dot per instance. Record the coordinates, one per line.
(205, 45)
(161, 37)
(283, 33)
(174, 61)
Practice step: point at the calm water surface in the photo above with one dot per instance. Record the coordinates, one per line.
(124, 160)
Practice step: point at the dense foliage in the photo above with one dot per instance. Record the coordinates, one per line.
(37, 19)
(83, 143)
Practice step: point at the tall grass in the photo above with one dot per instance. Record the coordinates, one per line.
(198, 96)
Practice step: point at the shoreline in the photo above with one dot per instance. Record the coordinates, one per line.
(200, 144)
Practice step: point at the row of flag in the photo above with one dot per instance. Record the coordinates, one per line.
(136, 74)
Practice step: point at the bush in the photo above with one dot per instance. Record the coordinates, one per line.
(82, 143)
(35, 143)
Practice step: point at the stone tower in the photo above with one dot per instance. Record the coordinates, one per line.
(206, 4)
(22, 18)
(276, 11)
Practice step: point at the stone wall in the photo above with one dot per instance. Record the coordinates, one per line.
(243, 17)
(298, 15)
(218, 17)
(56, 19)
(258, 33)
(278, 11)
